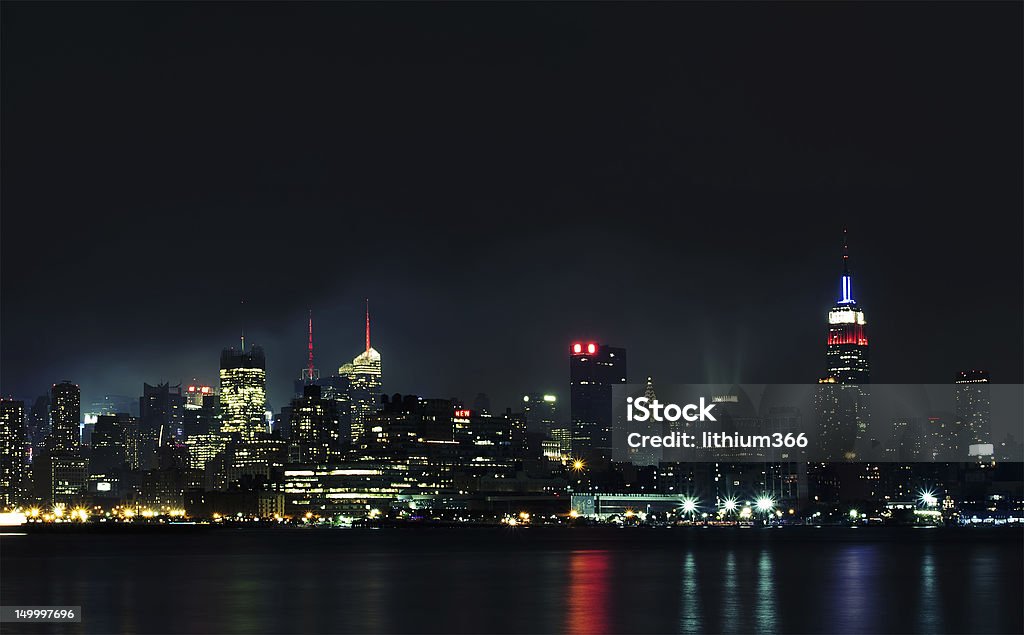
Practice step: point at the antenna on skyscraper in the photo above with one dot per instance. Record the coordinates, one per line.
(367, 325)
(846, 252)
(311, 374)
(243, 325)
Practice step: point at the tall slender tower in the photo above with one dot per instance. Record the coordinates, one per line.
(310, 373)
(13, 446)
(847, 352)
(973, 411)
(593, 370)
(842, 396)
(66, 413)
(365, 383)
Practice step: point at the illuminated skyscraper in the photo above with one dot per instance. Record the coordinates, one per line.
(847, 352)
(365, 384)
(842, 395)
(973, 411)
(593, 370)
(65, 413)
(243, 392)
(13, 446)
(313, 433)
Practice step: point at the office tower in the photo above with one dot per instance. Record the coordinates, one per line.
(60, 478)
(65, 414)
(112, 441)
(203, 447)
(842, 394)
(563, 437)
(243, 392)
(313, 433)
(201, 414)
(39, 424)
(196, 395)
(161, 417)
(593, 370)
(255, 458)
(648, 456)
(364, 385)
(541, 412)
(973, 411)
(13, 447)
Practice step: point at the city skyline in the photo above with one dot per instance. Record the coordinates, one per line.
(531, 317)
(502, 397)
(691, 214)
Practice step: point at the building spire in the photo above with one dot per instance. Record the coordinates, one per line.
(242, 302)
(846, 294)
(367, 325)
(846, 253)
(310, 344)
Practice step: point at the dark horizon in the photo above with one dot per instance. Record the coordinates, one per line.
(672, 179)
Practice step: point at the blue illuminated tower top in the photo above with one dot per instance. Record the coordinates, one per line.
(846, 290)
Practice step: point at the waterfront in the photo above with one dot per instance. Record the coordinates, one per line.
(593, 580)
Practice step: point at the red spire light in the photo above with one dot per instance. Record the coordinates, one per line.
(311, 344)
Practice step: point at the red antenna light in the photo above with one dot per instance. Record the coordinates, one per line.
(591, 348)
(311, 344)
(577, 348)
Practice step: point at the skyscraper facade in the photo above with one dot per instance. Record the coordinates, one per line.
(161, 416)
(313, 433)
(114, 443)
(541, 413)
(243, 392)
(65, 414)
(593, 370)
(365, 385)
(13, 446)
(973, 410)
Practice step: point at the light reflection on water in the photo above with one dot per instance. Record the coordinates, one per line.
(312, 582)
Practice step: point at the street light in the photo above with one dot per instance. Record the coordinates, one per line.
(729, 505)
(928, 498)
(689, 505)
(765, 504)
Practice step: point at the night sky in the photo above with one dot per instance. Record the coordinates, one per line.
(501, 179)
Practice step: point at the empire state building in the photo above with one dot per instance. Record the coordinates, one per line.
(846, 355)
(842, 396)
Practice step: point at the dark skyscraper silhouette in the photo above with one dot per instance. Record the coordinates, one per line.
(593, 370)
